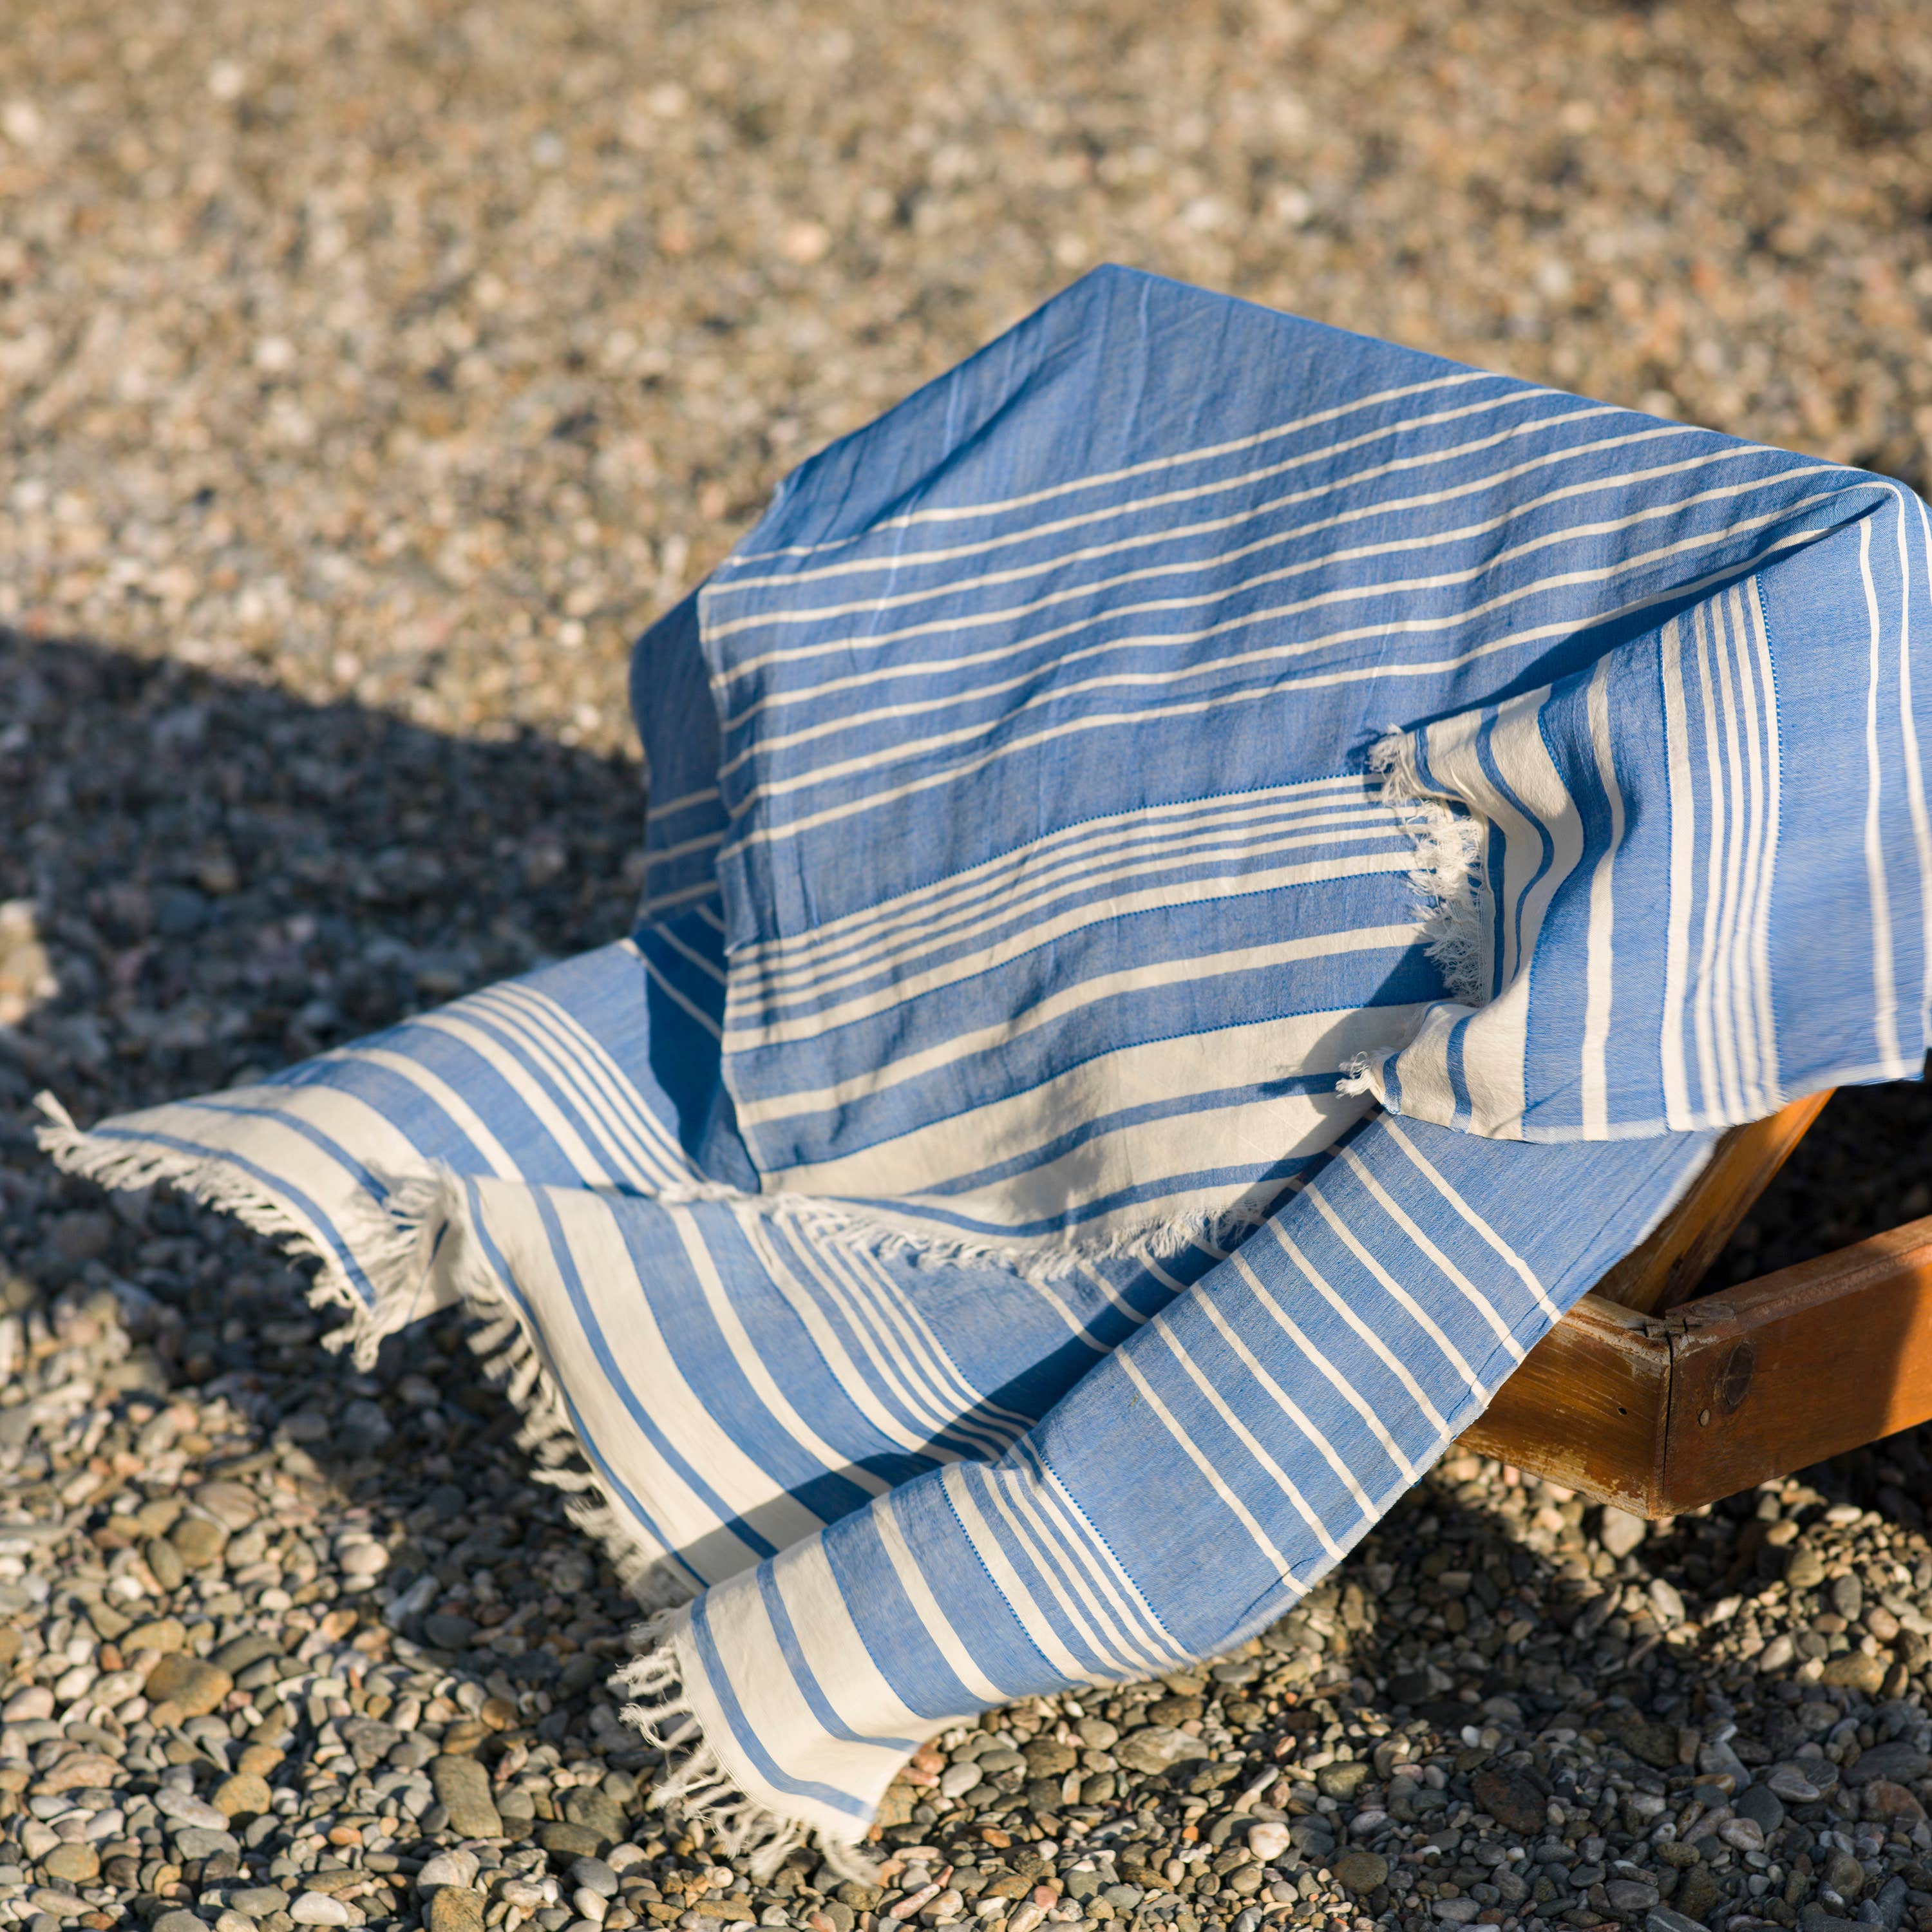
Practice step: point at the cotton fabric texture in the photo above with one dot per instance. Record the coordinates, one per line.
(1167, 853)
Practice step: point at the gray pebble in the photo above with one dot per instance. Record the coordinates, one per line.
(593, 1875)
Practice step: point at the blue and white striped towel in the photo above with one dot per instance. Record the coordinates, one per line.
(1166, 852)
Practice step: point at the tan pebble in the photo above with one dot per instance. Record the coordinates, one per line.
(164, 1633)
(192, 1683)
(80, 1771)
(498, 1713)
(245, 1795)
(199, 1541)
(258, 1760)
(78, 1864)
(234, 1505)
(453, 1908)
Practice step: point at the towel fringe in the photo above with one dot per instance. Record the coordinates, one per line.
(388, 1253)
(398, 1271)
(695, 1784)
(1447, 877)
(419, 1250)
(433, 1210)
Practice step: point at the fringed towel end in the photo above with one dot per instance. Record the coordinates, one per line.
(432, 1212)
(695, 1782)
(1360, 1076)
(1447, 875)
(389, 1255)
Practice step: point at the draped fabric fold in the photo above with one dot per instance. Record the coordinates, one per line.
(1166, 852)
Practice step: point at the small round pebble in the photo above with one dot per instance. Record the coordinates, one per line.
(318, 1908)
(243, 1795)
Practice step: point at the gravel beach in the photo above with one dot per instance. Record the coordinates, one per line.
(371, 374)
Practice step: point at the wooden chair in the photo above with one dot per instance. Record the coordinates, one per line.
(1655, 1398)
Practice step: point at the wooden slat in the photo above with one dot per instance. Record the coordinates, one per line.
(1798, 1365)
(1588, 1407)
(1659, 1415)
(1664, 1270)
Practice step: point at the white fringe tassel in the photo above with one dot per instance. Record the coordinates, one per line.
(419, 1253)
(1447, 875)
(694, 1784)
(389, 1252)
(423, 1254)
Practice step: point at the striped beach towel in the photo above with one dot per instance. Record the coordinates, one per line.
(1167, 853)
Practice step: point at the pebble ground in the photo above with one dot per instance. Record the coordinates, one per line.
(368, 374)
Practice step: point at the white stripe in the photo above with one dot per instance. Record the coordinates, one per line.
(682, 1001)
(933, 1621)
(884, 1342)
(708, 795)
(1409, 589)
(1090, 1548)
(1417, 1313)
(797, 966)
(743, 1032)
(1244, 1434)
(1683, 809)
(610, 1109)
(1073, 1546)
(832, 945)
(1304, 531)
(1340, 1383)
(689, 1522)
(1262, 1541)
(663, 855)
(1600, 970)
(1915, 777)
(859, 1387)
(1007, 1580)
(1767, 1026)
(1474, 1296)
(750, 1363)
(1337, 1464)
(685, 950)
(1722, 776)
(438, 1090)
(841, 1664)
(1056, 1007)
(1164, 1073)
(1884, 994)
(518, 1077)
(579, 1064)
(1743, 922)
(772, 1704)
(1275, 691)
(949, 1390)
(1206, 453)
(1522, 1268)
(656, 903)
